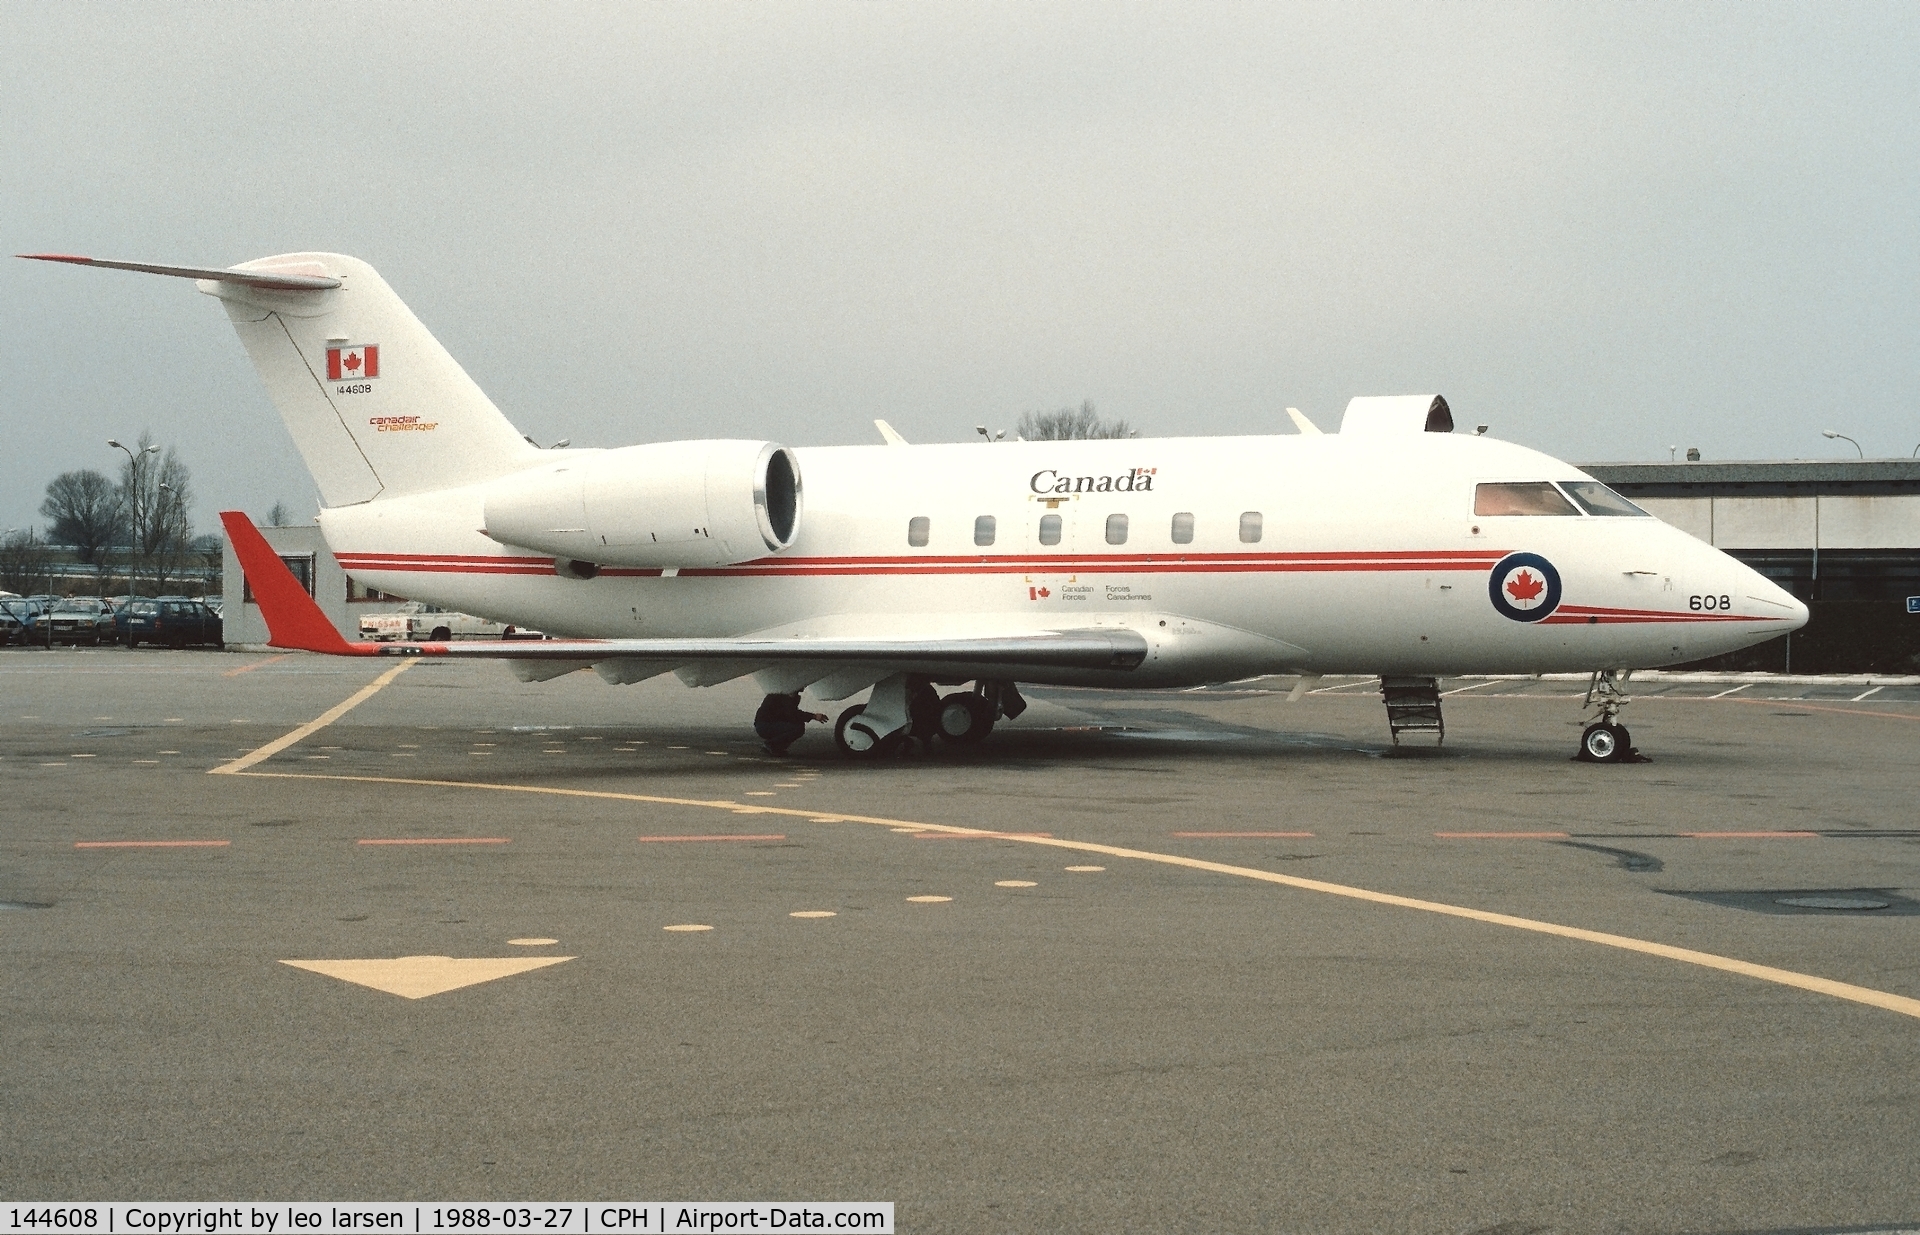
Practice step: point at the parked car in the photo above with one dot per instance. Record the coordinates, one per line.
(174, 621)
(417, 621)
(80, 619)
(21, 620)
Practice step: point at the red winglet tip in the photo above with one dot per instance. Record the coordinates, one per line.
(56, 257)
(293, 620)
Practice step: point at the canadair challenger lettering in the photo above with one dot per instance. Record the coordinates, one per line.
(1392, 547)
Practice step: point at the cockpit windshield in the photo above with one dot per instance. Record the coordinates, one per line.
(1596, 499)
(1528, 497)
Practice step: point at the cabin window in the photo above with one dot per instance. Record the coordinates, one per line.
(1116, 529)
(983, 530)
(1596, 499)
(1183, 528)
(1532, 497)
(1250, 528)
(1049, 529)
(917, 529)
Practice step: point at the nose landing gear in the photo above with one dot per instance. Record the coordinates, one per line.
(1607, 740)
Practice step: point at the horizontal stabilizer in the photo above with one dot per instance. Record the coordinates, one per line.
(273, 280)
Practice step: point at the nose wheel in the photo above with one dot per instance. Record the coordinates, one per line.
(1605, 743)
(1607, 740)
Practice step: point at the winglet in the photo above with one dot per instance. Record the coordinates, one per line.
(293, 620)
(888, 434)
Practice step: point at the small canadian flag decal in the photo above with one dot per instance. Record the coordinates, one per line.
(346, 364)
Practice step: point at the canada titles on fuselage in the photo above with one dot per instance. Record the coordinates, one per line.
(1135, 480)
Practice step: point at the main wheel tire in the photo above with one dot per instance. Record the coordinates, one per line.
(441, 634)
(1604, 743)
(965, 718)
(857, 740)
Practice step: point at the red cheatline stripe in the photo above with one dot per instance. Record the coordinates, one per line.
(1223, 835)
(1754, 835)
(1093, 567)
(1205, 563)
(1605, 619)
(1021, 568)
(149, 844)
(440, 840)
(1500, 835)
(728, 836)
(975, 835)
(485, 558)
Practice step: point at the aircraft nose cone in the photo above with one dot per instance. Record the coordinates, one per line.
(1771, 594)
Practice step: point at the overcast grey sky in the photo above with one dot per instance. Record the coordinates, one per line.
(1603, 229)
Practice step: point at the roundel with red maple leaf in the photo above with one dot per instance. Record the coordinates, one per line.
(1524, 587)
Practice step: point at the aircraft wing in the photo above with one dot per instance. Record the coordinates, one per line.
(295, 621)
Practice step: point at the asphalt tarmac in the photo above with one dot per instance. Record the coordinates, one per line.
(1233, 964)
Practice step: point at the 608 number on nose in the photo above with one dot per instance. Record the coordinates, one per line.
(1722, 602)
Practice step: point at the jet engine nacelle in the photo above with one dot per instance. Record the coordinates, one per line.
(669, 505)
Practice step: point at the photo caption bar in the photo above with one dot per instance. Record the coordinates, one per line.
(442, 1217)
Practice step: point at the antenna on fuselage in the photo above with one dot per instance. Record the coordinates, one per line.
(1301, 422)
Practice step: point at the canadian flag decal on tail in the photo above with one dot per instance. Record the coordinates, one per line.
(347, 364)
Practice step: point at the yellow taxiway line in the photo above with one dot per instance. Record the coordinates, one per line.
(313, 726)
(1706, 960)
(1886, 1000)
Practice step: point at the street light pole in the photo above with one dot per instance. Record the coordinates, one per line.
(1829, 433)
(133, 502)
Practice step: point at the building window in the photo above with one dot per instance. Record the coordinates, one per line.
(983, 530)
(1049, 529)
(1183, 528)
(301, 564)
(1116, 529)
(1250, 528)
(917, 529)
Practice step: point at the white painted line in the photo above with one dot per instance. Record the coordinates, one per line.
(1736, 690)
(1863, 694)
(1459, 690)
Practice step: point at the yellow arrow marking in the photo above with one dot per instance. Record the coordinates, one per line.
(416, 977)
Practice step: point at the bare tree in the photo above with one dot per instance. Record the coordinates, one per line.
(83, 513)
(160, 499)
(278, 516)
(1071, 423)
(23, 564)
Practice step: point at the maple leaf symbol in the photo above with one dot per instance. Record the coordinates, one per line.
(1524, 586)
(353, 362)
(1044, 592)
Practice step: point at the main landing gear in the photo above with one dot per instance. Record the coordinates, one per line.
(1607, 740)
(902, 709)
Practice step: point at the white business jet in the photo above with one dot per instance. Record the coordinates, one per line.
(1393, 547)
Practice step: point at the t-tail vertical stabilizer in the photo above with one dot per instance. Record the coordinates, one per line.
(376, 406)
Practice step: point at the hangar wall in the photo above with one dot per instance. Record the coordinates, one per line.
(1842, 536)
